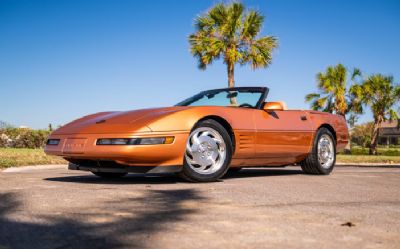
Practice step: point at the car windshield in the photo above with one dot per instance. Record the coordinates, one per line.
(249, 97)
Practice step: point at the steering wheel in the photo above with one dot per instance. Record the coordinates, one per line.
(246, 105)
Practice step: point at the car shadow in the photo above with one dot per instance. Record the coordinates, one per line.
(262, 172)
(129, 179)
(129, 222)
(171, 178)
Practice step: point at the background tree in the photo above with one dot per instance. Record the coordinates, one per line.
(361, 134)
(230, 32)
(4, 125)
(352, 120)
(332, 96)
(381, 95)
(332, 86)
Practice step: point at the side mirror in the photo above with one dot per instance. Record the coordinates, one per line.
(274, 106)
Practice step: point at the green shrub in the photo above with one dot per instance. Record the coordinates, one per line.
(359, 151)
(389, 152)
(23, 138)
(31, 139)
(381, 151)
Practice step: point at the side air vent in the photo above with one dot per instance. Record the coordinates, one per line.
(246, 141)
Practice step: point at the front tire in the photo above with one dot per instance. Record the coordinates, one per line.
(208, 152)
(109, 174)
(322, 158)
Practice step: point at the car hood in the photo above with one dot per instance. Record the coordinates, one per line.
(135, 121)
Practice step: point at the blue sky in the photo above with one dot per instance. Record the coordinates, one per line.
(60, 60)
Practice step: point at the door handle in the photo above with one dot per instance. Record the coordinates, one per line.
(304, 118)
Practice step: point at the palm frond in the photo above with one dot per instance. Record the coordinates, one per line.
(396, 92)
(205, 48)
(218, 14)
(234, 19)
(392, 115)
(259, 53)
(203, 23)
(309, 97)
(355, 99)
(319, 104)
(356, 73)
(251, 25)
(329, 105)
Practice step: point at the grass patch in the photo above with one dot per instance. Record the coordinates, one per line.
(10, 157)
(367, 159)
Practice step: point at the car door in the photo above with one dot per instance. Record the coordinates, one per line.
(285, 134)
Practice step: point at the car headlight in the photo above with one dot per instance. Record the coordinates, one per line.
(53, 141)
(135, 141)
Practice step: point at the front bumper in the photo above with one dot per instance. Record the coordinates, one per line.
(83, 146)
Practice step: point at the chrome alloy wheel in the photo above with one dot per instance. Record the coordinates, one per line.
(326, 151)
(205, 150)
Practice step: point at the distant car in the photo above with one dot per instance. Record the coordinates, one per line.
(202, 137)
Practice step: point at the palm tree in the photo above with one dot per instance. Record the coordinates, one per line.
(332, 96)
(332, 85)
(381, 95)
(230, 32)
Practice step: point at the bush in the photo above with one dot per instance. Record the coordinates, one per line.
(359, 151)
(23, 138)
(389, 153)
(381, 151)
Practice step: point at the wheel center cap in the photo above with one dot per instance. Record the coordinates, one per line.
(203, 148)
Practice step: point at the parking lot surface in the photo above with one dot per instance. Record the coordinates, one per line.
(51, 207)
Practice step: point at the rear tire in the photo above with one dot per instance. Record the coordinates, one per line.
(322, 158)
(109, 174)
(208, 152)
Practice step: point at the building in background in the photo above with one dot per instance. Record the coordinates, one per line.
(389, 133)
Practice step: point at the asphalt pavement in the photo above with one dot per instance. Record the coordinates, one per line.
(51, 207)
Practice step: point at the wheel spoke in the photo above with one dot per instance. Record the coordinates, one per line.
(202, 167)
(217, 140)
(189, 148)
(213, 160)
(195, 139)
(206, 133)
(191, 161)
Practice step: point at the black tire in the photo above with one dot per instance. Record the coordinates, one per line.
(189, 174)
(109, 174)
(311, 164)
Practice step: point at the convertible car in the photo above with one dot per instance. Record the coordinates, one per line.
(202, 137)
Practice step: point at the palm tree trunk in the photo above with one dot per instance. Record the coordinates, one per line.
(231, 81)
(231, 75)
(374, 137)
(347, 149)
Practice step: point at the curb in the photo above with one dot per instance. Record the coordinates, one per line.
(32, 168)
(371, 165)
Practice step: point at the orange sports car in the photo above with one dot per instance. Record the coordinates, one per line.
(202, 137)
